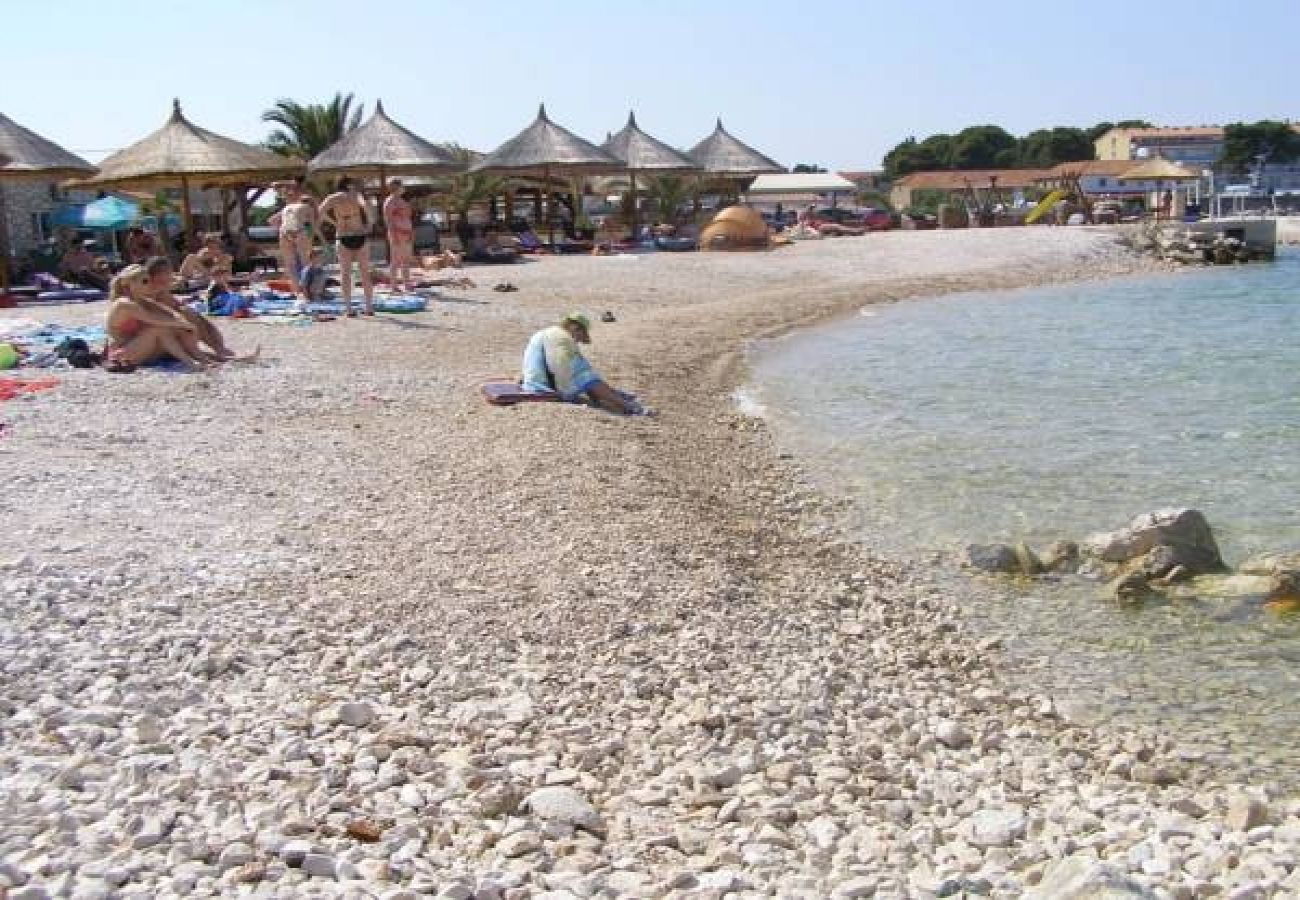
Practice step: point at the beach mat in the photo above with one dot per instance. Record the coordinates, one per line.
(508, 393)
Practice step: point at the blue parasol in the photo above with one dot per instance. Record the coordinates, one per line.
(106, 212)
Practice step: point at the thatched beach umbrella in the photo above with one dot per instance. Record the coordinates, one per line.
(726, 156)
(1160, 170)
(642, 153)
(181, 153)
(25, 155)
(543, 149)
(379, 148)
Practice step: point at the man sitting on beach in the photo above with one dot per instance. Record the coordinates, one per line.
(208, 267)
(553, 362)
(78, 266)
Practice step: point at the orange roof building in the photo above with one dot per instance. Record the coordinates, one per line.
(958, 180)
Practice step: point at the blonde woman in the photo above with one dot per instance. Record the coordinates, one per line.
(139, 332)
(298, 225)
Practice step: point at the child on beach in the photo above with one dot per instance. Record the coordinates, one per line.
(311, 278)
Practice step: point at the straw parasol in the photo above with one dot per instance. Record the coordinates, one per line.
(1160, 170)
(25, 155)
(181, 153)
(543, 149)
(642, 153)
(381, 147)
(724, 155)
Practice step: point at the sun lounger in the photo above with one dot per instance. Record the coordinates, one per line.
(675, 244)
(508, 393)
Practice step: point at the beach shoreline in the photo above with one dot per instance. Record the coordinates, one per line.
(659, 613)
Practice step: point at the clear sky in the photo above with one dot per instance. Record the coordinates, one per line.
(833, 83)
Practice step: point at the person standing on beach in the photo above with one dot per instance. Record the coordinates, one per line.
(297, 228)
(401, 235)
(345, 209)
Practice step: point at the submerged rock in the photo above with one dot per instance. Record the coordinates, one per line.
(998, 559)
(1162, 540)
(1271, 563)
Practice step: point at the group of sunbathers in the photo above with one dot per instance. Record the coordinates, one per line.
(147, 324)
(342, 217)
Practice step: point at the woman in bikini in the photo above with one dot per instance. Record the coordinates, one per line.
(297, 227)
(398, 217)
(139, 332)
(345, 209)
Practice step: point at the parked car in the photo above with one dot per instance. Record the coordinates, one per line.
(868, 218)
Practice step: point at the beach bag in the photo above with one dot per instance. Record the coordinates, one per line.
(78, 353)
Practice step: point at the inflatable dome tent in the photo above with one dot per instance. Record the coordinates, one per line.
(735, 228)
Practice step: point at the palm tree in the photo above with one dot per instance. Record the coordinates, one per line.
(468, 188)
(308, 128)
(669, 192)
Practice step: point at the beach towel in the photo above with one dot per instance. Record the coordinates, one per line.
(16, 387)
(508, 393)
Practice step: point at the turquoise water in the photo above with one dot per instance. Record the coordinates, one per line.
(1056, 412)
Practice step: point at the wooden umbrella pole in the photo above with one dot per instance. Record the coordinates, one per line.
(550, 210)
(187, 216)
(632, 180)
(379, 212)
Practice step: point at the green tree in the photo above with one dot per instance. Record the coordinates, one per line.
(1046, 147)
(1101, 128)
(669, 193)
(935, 152)
(468, 188)
(308, 128)
(983, 147)
(807, 169)
(1276, 141)
(875, 200)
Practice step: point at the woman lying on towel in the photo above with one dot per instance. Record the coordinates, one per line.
(140, 332)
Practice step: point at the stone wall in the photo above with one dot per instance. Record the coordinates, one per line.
(23, 199)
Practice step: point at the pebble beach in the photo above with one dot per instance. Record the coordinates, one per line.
(331, 626)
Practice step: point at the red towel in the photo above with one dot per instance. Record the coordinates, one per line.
(16, 387)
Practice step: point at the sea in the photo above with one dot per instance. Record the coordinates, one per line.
(1056, 412)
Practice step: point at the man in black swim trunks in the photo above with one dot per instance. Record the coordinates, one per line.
(345, 209)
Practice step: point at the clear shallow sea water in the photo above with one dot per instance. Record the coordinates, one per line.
(1055, 412)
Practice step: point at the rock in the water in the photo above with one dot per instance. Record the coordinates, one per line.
(1271, 563)
(1084, 878)
(1061, 557)
(999, 559)
(564, 805)
(1185, 533)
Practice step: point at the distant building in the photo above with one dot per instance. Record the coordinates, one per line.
(1007, 181)
(1197, 147)
(1097, 178)
(872, 180)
